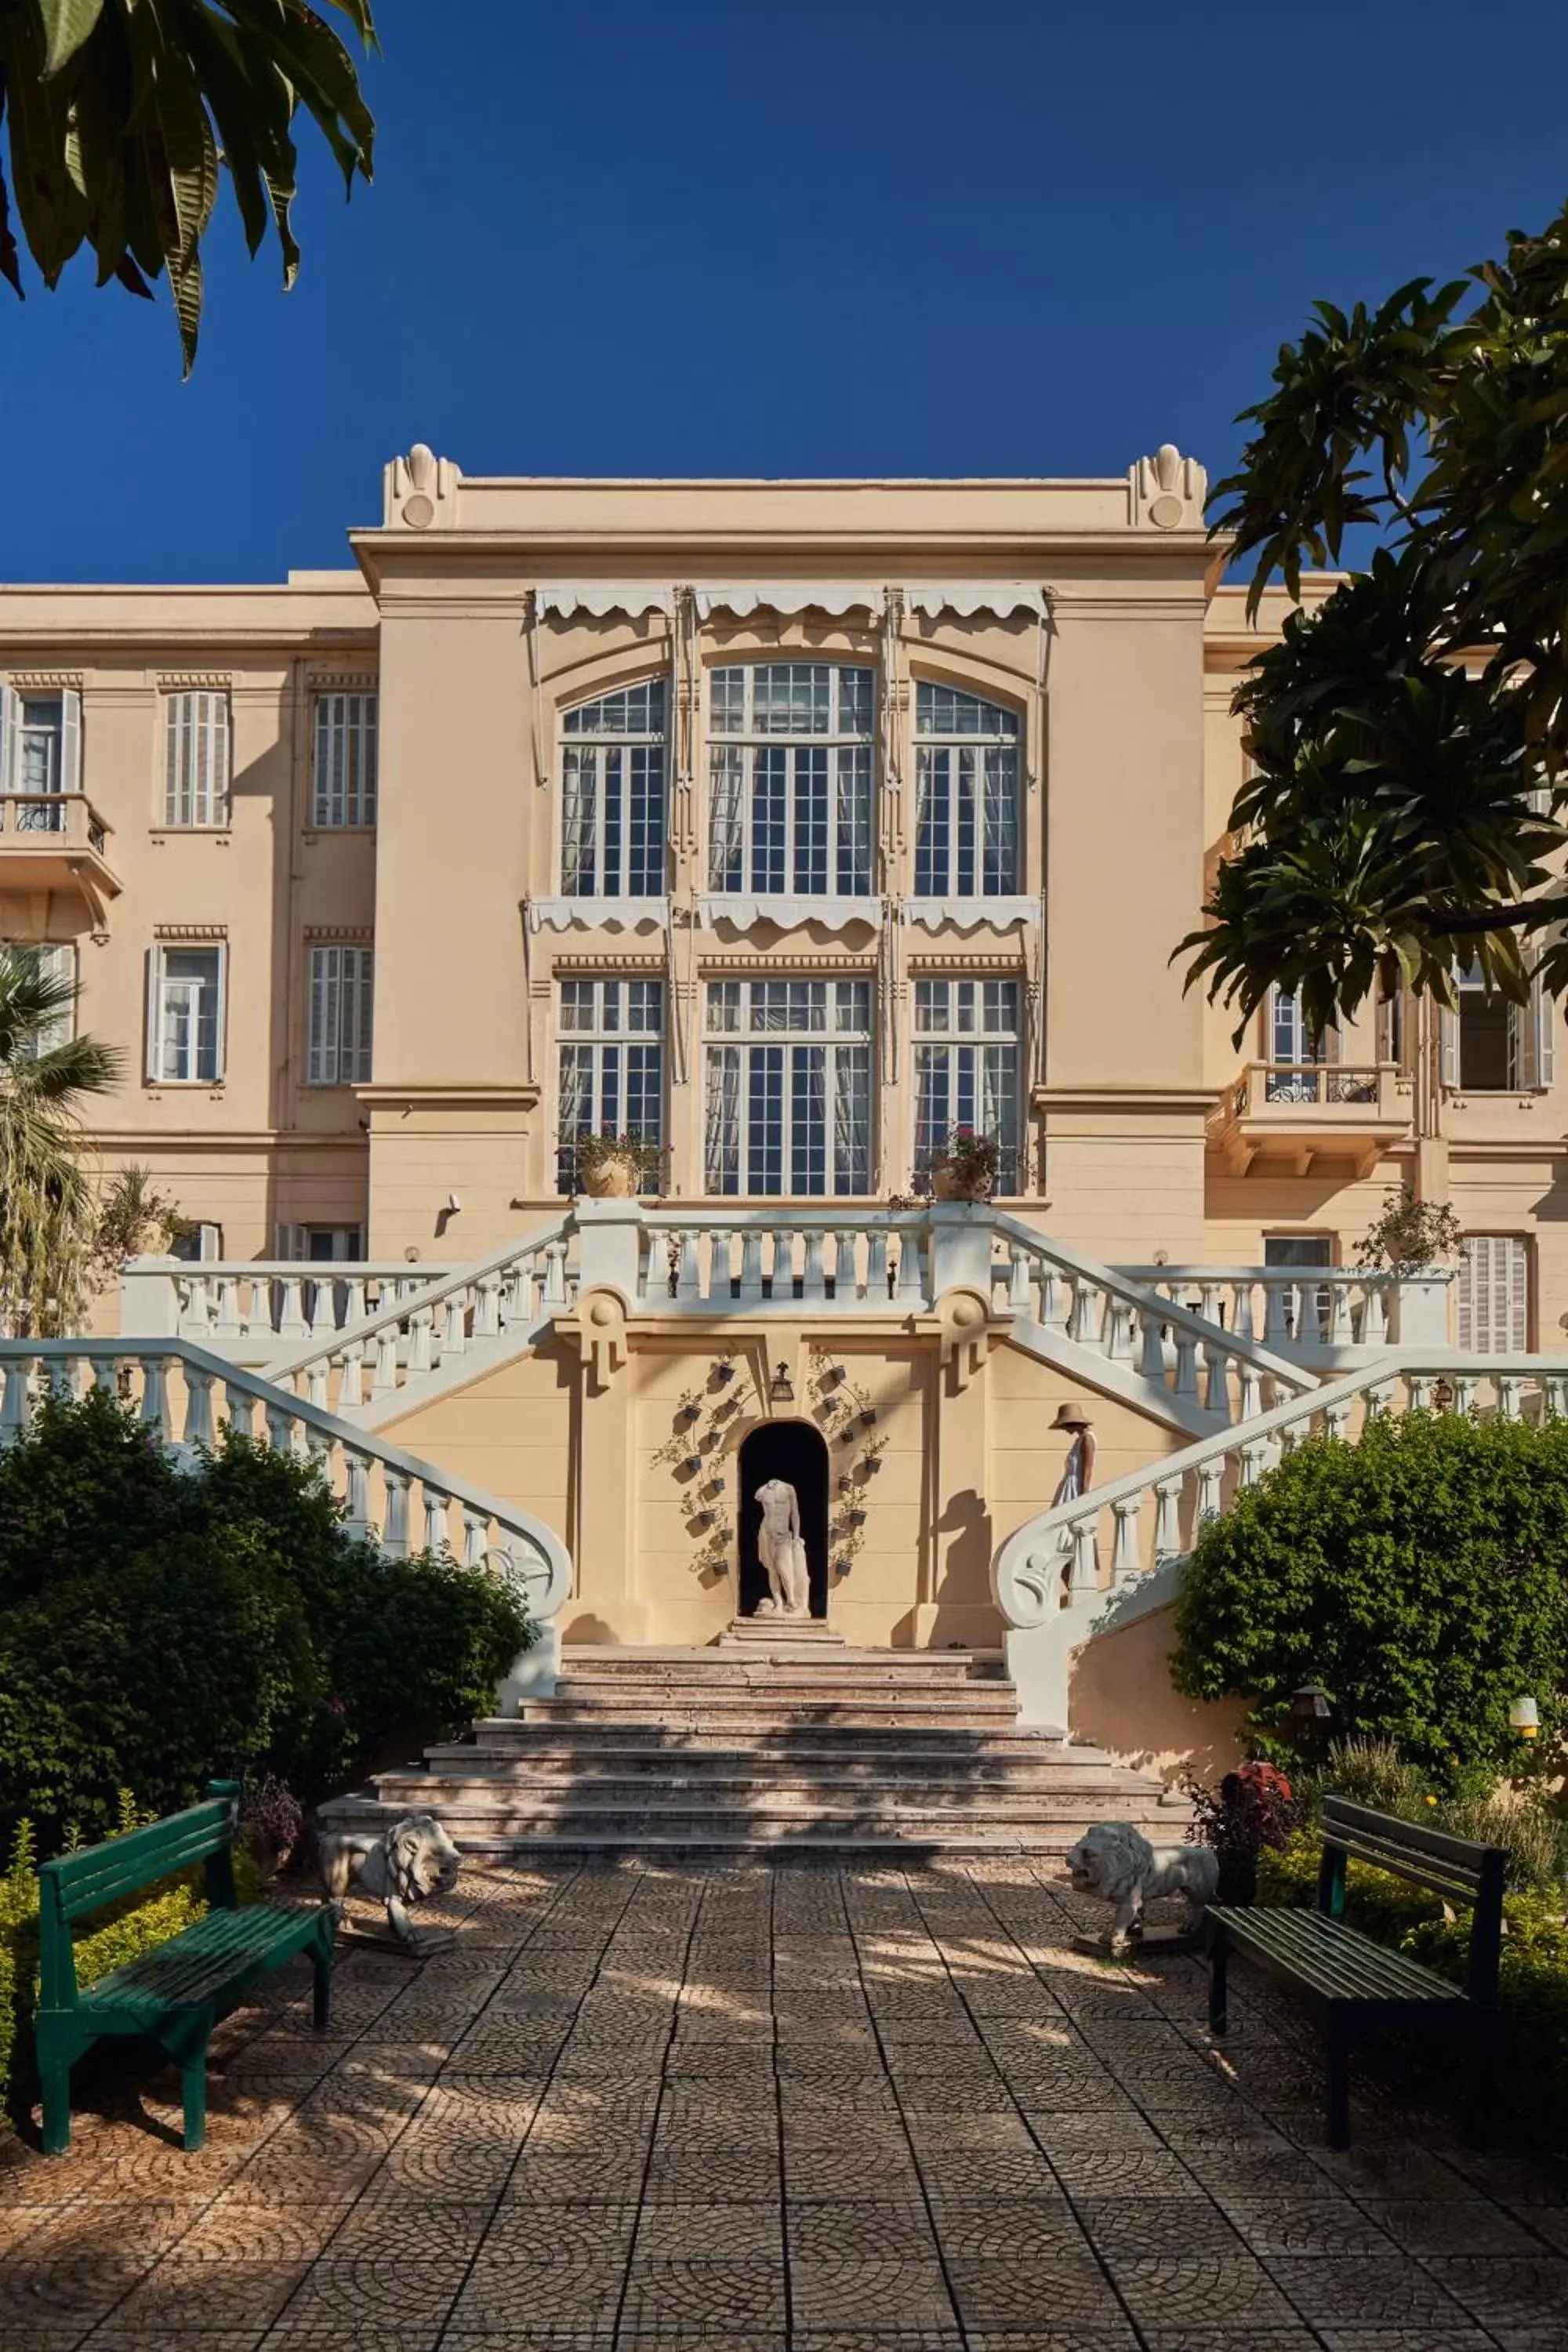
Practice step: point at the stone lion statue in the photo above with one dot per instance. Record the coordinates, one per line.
(1115, 1863)
(405, 1865)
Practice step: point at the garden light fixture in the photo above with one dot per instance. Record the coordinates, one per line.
(1524, 1717)
(781, 1388)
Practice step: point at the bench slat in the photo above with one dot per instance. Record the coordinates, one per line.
(1463, 1854)
(188, 1968)
(1335, 1960)
(123, 1865)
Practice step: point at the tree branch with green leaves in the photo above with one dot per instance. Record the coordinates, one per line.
(119, 116)
(1403, 811)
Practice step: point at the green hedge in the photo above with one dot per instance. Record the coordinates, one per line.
(161, 1623)
(1418, 1575)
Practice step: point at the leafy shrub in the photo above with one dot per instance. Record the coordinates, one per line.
(160, 1625)
(1419, 1575)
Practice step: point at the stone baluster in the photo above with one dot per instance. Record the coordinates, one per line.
(316, 1388)
(103, 1362)
(911, 1290)
(1211, 1294)
(1125, 1560)
(454, 1324)
(1186, 1380)
(783, 1265)
(1554, 1396)
(1374, 1315)
(292, 1324)
(688, 1270)
(879, 1290)
(324, 1307)
(1211, 1487)
(356, 1492)
(1216, 1384)
(486, 1313)
(61, 1372)
(517, 1294)
(1085, 1571)
(1120, 1349)
(435, 1508)
(476, 1537)
(1464, 1392)
(750, 1266)
(1337, 1418)
(350, 1375)
(1150, 1333)
(1253, 1460)
(1020, 1281)
(239, 1408)
(1243, 1322)
(1509, 1393)
(154, 1392)
(1251, 1389)
(394, 1534)
(1419, 1392)
(421, 1339)
(383, 1379)
(226, 1315)
(1084, 1325)
(14, 1408)
(353, 1299)
(812, 1288)
(1167, 1520)
(1277, 1315)
(279, 1429)
(1340, 1334)
(1053, 1297)
(1380, 1400)
(319, 1445)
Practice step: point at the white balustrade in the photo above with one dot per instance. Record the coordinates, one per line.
(707, 1261)
(1048, 1614)
(172, 1387)
(1318, 1316)
(252, 1308)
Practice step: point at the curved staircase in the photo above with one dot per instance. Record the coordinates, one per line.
(774, 1746)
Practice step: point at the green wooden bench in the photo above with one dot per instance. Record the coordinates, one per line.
(175, 1993)
(1354, 1984)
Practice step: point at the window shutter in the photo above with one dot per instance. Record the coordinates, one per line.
(1543, 1019)
(154, 1011)
(359, 1001)
(1494, 1295)
(1448, 1047)
(325, 987)
(59, 963)
(70, 740)
(220, 1011)
(1521, 1043)
(10, 739)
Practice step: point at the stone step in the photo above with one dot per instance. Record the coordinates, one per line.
(758, 1660)
(578, 1737)
(758, 1711)
(714, 1766)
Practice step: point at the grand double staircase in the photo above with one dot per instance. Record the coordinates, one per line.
(787, 1748)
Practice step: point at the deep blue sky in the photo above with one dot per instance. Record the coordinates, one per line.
(843, 237)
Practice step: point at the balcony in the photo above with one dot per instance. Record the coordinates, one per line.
(59, 842)
(1289, 1115)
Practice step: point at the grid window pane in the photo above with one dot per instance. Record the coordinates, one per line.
(188, 1009)
(612, 795)
(790, 816)
(344, 772)
(789, 1105)
(967, 795)
(340, 1010)
(967, 1069)
(611, 1072)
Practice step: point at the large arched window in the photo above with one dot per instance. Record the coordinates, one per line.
(612, 795)
(790, 780)
(967, 795)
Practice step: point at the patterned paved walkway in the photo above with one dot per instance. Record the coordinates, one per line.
(805, 2111)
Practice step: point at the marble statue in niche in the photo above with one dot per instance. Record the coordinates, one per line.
(782, 1552)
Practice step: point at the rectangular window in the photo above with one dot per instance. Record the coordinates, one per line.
(790, 817)
(967, 795)
(789, 1088)
(342, 773)
(57, 963)
(1491, 1046)
(1308, 1310)
(40, 756)
(197, 1243)
(1494, 1295)
(610, 1040)
(967, 1069)
(186, 1011)
(612, 795)
(195, 758)
(341, 1004)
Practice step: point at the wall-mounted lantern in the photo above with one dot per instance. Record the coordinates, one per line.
(781, 1388)
(1524, 1717)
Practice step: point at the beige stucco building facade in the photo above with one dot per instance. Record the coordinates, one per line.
(791, 822)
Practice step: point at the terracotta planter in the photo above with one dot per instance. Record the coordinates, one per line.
(949, 1185)
(615, 1178)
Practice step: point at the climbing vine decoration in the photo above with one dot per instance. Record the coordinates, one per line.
(847, 1419)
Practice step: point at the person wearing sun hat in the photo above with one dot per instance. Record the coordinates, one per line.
(1078, 1472)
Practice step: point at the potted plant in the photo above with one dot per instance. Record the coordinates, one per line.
(968, 1167)
(612, 1167)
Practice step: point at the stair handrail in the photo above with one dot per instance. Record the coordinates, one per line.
(1028, 1565)
(371, 1333)
(530, 1556)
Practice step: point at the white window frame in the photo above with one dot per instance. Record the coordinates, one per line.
(609, 1037)
(614, 771)
(61, 958)
(198, 749)
(1531, 1042)
(965, 775)
(340, 1014)
(163, 1015)
(961, 1026)
(1494, 1295)
(765, 1040)
(344, 746)
(40, 807)
(790, 806)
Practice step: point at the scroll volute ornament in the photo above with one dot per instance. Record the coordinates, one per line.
(1168, 490)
